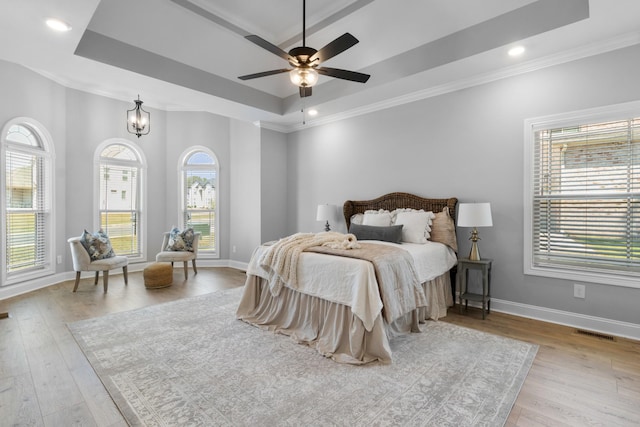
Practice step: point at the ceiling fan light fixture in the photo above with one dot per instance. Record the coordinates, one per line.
(303, 77)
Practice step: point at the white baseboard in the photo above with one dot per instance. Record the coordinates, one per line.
(581, 321)
(32, 285)
(566, 318)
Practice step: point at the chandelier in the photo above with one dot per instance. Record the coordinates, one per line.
(138, 120)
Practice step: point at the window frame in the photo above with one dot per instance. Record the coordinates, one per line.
(182, 168)
(569, 119)
(141, 217)
(47, 153)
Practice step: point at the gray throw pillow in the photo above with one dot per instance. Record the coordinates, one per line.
(392, 233)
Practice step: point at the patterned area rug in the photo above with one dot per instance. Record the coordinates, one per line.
(190, 362)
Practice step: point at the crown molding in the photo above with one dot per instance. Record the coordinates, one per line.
(592, 49)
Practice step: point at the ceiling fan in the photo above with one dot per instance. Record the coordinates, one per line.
(306, 60)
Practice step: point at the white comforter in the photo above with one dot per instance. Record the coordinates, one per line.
(352, 282)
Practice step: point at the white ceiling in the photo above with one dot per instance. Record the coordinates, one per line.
(187, 54)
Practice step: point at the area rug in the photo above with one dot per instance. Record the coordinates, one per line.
(190, 362)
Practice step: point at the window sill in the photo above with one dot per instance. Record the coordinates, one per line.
(627, 281)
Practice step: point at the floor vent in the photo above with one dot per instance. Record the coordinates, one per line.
(595, 335)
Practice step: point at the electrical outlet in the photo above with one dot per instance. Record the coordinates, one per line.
(579, 291)
(59, 259)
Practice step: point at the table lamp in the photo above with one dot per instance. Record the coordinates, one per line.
(325, 213)
(474, 215)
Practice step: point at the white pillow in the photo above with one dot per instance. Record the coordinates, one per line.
(416, 227)
(381, 218)
(395, 212)
(357, 218)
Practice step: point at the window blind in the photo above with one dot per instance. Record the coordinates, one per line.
(199, 198)
(119, 207)
(26, 212)
(586, 201)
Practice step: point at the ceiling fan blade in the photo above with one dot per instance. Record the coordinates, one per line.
(335, 47)
(263, 74)
(305, 91)
(271, 48)
(343, 74)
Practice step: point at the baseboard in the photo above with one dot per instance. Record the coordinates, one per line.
(33, 285)
(238, 265)
(566, 318)
(581, 321)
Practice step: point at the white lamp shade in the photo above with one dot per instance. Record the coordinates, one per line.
(474, 215)
(325, 213)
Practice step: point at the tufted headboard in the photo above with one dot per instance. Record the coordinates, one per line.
(393, 201)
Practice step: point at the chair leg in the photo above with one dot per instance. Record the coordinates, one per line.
(105, 280)
(96, 281)
(195, 270)
(75, 287)
(126, 275)
(186, 270)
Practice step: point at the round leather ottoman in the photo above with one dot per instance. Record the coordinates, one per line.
(158, 275)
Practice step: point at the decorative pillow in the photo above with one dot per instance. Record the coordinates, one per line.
(97, 245)
(416, 226)
(392, 233)
(394, 213)
(180, 240)
(380, 218)
(357, 218)
(443, 229)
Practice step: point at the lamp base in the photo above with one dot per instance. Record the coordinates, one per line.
(326, 227)
(474, 255)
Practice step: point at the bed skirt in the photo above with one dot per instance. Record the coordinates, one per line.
(331, 328)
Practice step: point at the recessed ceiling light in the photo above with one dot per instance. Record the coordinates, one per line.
(313, 112)
(58, 25)
(516, 51)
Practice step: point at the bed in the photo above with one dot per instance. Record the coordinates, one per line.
(338, 305)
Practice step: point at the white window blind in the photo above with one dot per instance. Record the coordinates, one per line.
(199, 204)
(119, 201)
(27, 239)
(586, 197)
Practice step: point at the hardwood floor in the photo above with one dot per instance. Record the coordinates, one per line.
(45, 380)
(575, 380)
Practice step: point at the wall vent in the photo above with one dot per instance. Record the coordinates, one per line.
(595, 335)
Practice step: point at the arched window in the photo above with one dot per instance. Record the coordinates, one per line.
(199, 189)
(120, 169)
(27, 223)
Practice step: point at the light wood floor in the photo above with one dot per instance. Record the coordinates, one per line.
(45, 379)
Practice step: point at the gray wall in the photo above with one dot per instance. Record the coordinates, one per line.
(26, 94)
(79, 121)
(102, 119)
(245, 185)
(468, 144)
(273, 185)
(184, 130)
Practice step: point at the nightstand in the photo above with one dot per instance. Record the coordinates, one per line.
(484, 265)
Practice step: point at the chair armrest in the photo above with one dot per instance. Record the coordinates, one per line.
(79, 254)
(196, 240)
(165, 241)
